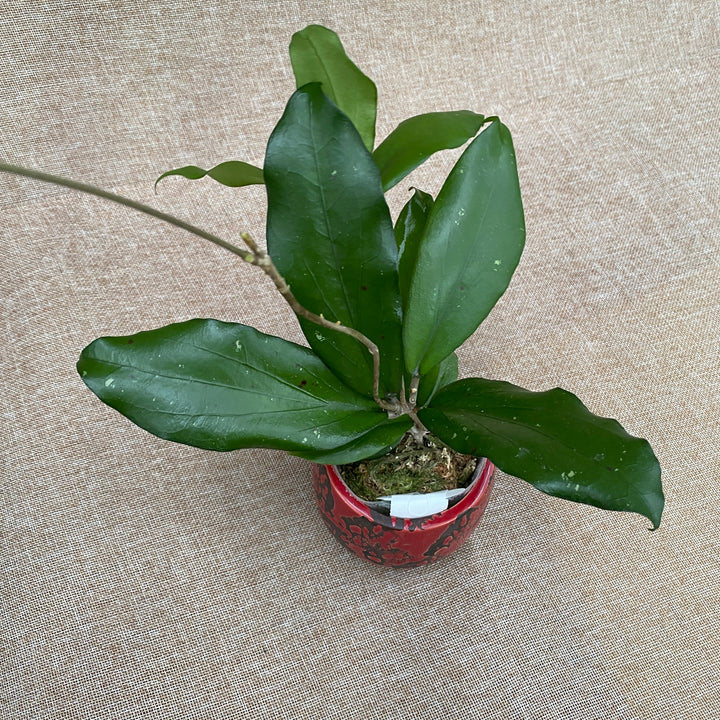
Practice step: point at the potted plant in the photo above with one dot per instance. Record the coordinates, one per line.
(383, 307)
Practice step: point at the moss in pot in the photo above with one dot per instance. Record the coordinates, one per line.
(383, 306)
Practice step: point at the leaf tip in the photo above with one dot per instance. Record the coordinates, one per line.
(164, 175)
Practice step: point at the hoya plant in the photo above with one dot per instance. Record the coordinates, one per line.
(383, 307)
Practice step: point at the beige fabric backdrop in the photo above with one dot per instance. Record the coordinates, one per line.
(143, 579)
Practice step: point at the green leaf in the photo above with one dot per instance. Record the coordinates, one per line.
(408, 233)
(224, 386)
(470, 248)
(317, 55)
(383, 437)
(551, 440)
(414, 140)
(233, 173)
(330, 234)
(440, 376)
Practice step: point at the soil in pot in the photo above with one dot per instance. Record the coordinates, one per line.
(410, 468)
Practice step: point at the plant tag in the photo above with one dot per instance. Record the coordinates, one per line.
(417, 505)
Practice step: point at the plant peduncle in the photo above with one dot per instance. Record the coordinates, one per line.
(254, 256)
(265, 263)
(121, 200)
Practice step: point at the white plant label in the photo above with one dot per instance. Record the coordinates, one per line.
(417, 505)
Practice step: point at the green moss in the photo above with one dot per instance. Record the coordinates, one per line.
(410, 468)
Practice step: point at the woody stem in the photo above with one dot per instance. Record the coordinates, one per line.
(265, 263)
(255, 256)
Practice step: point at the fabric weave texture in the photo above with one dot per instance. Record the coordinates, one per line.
(143, 579)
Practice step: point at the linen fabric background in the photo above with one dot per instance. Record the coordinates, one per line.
(144, 579)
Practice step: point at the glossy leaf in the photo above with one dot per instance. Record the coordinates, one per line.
(551, 440)
(317, 55)
(223, 386)
(233, 173)
(408, 233)
(330, 234)
(440, 376)
(383, 438)
(471, 245)
(414, 140)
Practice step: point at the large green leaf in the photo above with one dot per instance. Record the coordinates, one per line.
(233, 173)
(408, 233)
(223, 386)
(414, 140)
(551, 440)
(470, 248)
(330, 234)
(317, 55)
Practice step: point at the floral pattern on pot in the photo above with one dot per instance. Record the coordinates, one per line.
(399, 542)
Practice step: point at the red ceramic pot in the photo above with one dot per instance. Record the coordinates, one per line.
(400, 542)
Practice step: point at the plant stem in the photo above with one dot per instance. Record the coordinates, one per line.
(255, 256)
(265, 263)
(92, 190)
(418, 431)
(414, 384)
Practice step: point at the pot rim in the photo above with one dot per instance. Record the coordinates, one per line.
(480, 484)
